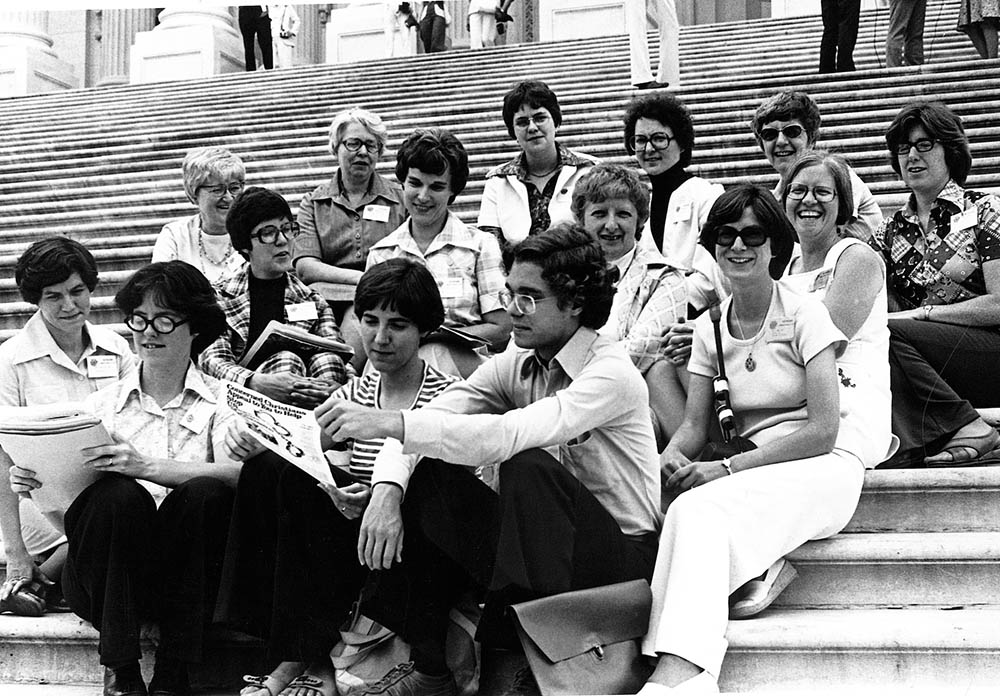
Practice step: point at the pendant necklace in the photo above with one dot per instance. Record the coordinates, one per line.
(750, 364)
(205, 255)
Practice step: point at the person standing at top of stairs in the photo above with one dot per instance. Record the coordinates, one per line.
(665, 14)
(840, 33)
(254, 22)
(904, 41)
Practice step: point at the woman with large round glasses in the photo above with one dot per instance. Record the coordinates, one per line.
(942, 254)
(146, 539)
(787, 125)
(213, 178)
(261, 227)
(341, 219)
(532, 192)
(736, 515)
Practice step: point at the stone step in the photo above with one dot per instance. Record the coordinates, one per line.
(892, 570)
(929, 500)
(793, 650)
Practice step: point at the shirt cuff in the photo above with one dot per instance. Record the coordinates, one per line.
(421, 430)
(391, 465)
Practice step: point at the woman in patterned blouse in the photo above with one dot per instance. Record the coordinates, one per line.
(942, 256)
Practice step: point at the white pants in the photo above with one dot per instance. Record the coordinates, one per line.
(665, 14)
(718, 536)
(482, 29)
(284, 54)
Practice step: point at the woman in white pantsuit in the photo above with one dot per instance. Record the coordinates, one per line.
(669, 70)
(736, 516)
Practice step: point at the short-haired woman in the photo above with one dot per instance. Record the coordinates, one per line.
(341, 219)
(58, 357)
(146, 539)
(213, 178)
(533, 191)
(785, 126)
(612, 204)
(735, 515)
(942, 256)
(262, 230)
(281, 519)
(433, 168)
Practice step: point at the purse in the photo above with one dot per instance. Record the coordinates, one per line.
(732, 442)
(587, 641)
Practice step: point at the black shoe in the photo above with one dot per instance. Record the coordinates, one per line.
(170, 678)
(124, 681)
(652, 84)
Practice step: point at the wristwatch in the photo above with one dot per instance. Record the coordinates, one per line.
(727, 465)
(927, 312)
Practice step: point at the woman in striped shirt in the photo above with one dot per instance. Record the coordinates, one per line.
(290, 572)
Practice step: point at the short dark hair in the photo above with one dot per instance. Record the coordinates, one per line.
(50, 261)
(434, 151)
(179, 287)
(729, 207)
(790, 105)
(537, 95)
(943, 125)
(668, 110)
(252, 207)
(839, 170)
(604, 182)
(402, 285)
(573, 265)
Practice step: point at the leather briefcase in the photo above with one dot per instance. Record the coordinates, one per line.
(587, 641)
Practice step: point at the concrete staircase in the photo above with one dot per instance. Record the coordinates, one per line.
(104, 166)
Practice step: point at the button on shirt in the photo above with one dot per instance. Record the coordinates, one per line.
(588, 407)
(191, 428)
(336, 232)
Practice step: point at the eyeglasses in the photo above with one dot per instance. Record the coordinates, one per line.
(922, 145)
(537, 119)
(820, 193)
(659, 141)
(162, 323)
(791, 132)
(220, 190)
(268, 234)
(522, 304)
(355, 144)
(751, 235)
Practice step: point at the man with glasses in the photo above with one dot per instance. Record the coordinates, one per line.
(566, 413)
(261, 228)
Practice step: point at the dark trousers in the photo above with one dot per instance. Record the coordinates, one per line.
(291, 571)
(840, 33)
(255, 24)
(543, 535)
(432, 28)
(904, 39)
(129, 561)
(936, 370)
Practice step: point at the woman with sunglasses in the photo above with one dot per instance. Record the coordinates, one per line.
(146, 539)
(213, 178)
(942, 254)
(787, 125)
(735, 515)
(262, 230)
(532, 192)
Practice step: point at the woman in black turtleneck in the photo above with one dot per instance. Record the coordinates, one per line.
(660, 133)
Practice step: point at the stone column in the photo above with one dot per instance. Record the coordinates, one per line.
(28, 65)
(118, 30)
(311, 46)
(190, 41)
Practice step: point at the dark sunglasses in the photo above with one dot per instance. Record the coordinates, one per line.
(751, 235)
(790, 132)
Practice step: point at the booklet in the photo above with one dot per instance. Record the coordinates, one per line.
(455, 337)
(290, 432)
(48, 440)
(278, 336)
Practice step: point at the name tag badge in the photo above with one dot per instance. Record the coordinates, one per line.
(781, 330)
(967, 219)
(303, 311)
(452, 287)
(102, 366)
(822, 280)
(377, 213)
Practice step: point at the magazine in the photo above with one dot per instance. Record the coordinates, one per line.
(48, 440)
(277, 336)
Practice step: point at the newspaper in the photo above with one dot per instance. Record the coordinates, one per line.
(288, 431)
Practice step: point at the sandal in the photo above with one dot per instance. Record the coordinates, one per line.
(965, 451)
(254, 681)
(314, 685)
(28, 601)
